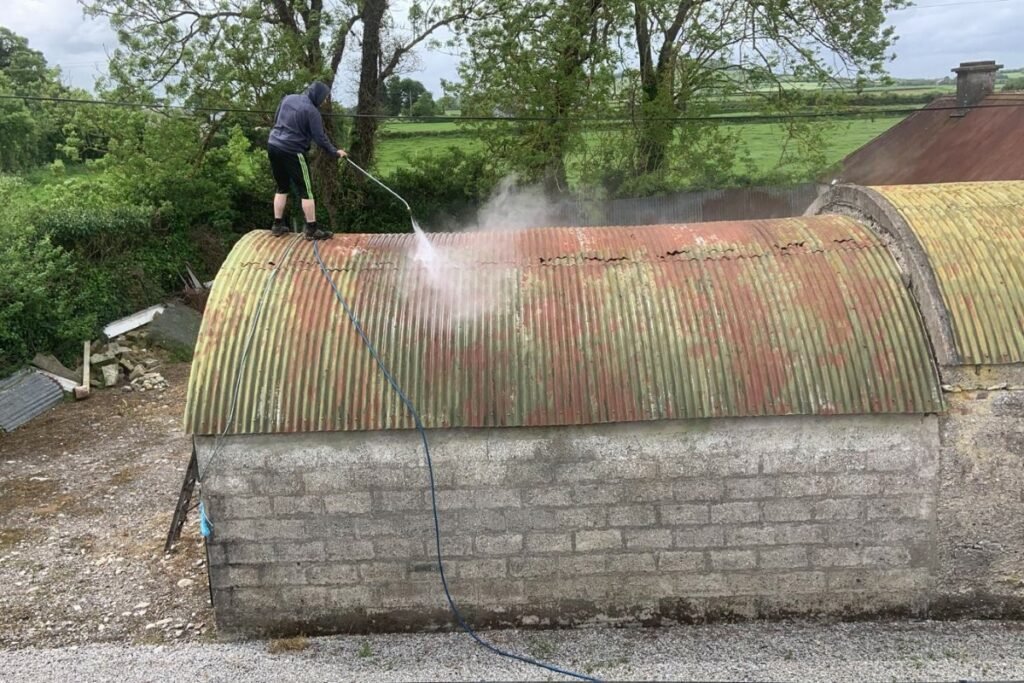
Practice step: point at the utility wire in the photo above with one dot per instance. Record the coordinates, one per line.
(726, 118)
(951, 4)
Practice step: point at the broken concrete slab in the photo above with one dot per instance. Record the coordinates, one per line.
(176, 328)
(48, 362)
(101, 359)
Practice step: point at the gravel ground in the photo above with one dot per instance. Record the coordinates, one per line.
(86, 495)
(87, 491)
(797, 651)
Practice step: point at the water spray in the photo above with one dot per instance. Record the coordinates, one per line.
(425, 250)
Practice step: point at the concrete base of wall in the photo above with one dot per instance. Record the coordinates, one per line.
(651, 523)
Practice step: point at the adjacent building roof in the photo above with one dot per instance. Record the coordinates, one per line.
(962, 244)
(938, 145)
(563, 326)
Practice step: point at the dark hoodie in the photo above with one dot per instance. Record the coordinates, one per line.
(298, 122)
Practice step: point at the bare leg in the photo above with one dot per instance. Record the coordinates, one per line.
(309, 208)
(279, 203)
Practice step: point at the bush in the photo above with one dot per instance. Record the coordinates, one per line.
(1014, 84)
(444, 188)
(36, 311)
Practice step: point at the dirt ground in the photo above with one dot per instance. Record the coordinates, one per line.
(87, 491)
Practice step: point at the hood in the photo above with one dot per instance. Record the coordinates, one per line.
(318, 92)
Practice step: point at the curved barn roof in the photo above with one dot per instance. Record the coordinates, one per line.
(963, 245)
(564, 326)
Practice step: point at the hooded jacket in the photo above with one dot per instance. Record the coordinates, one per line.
(298, 122)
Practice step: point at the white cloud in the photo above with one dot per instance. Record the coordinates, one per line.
(934, 39)
(68, 39)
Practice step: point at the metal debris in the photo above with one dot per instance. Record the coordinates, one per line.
(25, 395)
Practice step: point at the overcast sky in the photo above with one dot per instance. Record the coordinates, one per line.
(934, 37)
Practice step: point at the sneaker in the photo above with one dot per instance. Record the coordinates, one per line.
(314, 233)
(279, 230)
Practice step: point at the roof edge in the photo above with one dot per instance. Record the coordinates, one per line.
(878, 214)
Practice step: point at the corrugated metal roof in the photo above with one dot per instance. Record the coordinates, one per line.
(25, 395)
(566, 326)
(934, 145)
(973, 236)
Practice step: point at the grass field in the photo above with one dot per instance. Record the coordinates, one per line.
(762, 142)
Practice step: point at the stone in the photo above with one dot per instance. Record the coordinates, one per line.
(50, 363)
(111, 375)
(998, 387)
(102, 359)
(137, 372)
(176, 328)
(185, 583)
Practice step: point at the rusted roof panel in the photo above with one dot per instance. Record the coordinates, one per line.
(973, 235)
(565, 326)
(934, 145)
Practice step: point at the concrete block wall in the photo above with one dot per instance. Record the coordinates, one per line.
(648, 522)
(980, 516)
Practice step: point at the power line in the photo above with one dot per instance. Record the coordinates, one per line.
(721, 118)
(951, 4)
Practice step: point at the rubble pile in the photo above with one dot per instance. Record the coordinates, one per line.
(126, 360)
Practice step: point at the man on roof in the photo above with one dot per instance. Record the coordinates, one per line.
(297, 123)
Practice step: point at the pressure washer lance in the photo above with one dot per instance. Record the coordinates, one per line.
(426, 448)
(370, 176)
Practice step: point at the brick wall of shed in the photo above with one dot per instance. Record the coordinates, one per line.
(653, 522)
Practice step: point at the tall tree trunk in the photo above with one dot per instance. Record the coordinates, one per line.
(368, 105)
(657, 110)
(657, 83)
(326, 172)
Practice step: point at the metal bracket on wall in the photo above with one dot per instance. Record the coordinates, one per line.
(184, 500)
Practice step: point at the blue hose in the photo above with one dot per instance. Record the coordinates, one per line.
(433, 493)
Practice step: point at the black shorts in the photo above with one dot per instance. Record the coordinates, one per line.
(290, 171)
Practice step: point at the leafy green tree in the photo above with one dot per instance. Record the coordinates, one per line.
(249, 53)
(401, 95)
(424, 105)
(29, 130)
(687, 49)
(549, 63)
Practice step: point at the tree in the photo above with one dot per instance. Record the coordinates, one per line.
(547, 63)
(449, 98)
(29, 130)
(401, 95)
(423, 106)
(684, 48)
(380, 64)
(248, 53)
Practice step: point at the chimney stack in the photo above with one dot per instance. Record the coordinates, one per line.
(974, 82)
